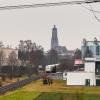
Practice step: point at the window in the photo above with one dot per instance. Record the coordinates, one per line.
(97, 50)
(97, 68)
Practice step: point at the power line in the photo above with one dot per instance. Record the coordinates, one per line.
(47, 4)
(94, 14)
(89, 9)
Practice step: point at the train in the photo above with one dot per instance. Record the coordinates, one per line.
(51, 68)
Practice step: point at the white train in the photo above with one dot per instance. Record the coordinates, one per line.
(51, 68)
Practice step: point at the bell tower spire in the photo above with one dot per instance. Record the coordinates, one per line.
(54, 39)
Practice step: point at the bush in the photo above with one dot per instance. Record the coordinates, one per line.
(45, 81)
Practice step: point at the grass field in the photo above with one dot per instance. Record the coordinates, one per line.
(57, 91)
(20, 95)
(65, 96)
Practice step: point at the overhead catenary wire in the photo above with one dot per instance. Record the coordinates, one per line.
(94, 13)
(47, 4)
(55, 4)
(90, 9)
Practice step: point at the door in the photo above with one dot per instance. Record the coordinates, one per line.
(87, 82)
(97, 82)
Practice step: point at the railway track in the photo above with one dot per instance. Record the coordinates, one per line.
(18, 84)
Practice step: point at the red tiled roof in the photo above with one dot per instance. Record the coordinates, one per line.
(78, 62)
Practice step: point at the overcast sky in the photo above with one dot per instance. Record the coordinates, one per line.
(72, 21)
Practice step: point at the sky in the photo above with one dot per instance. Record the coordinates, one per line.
(72, 21)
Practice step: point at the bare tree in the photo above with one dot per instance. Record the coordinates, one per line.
(2, 58)
(37, 56)
(12, 61)
(1, 54)
(1, 44)
(66, 64)
(77, 54)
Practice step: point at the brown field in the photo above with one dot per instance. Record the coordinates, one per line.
(60, 86)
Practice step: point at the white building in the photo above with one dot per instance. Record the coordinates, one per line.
(6, 52)
(81, 78)
(91, 74)
(87, 77)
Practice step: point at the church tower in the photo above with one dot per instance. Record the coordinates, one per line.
(54, 39)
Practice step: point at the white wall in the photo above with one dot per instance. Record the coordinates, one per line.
(90, 67)
(7, 52)
(78, 78)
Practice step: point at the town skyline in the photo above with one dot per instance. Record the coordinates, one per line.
(10, 44)
(73, 23)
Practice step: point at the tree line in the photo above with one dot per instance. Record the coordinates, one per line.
(28, 60)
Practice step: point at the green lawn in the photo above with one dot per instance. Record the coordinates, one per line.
(20, 95)
(65, 96)
(23, 95)
(57, 91)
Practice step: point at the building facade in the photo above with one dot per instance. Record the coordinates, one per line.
(90, 76)
(6, 53)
